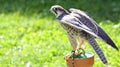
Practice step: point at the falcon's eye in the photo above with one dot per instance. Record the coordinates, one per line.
(55, 9)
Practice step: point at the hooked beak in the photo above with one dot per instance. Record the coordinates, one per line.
(53, 10)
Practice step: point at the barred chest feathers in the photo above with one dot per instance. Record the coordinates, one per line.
(73, 31)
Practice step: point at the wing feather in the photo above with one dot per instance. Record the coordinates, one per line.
(91, 24)
(72, 21)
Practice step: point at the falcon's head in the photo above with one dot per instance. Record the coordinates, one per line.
(58, 10)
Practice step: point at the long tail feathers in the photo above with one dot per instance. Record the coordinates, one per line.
(97, 49)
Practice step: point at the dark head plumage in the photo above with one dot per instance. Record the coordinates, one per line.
(58, 10)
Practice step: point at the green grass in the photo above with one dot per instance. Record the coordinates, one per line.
(41, 42)
(31, 37)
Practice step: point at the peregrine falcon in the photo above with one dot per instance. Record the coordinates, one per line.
(81, 27)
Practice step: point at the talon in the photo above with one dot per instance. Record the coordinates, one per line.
(70, 55)
(77, 52)
(73, 51)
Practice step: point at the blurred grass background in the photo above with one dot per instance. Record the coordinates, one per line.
(30, 36)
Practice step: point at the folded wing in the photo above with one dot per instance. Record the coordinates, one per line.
(93, 26)
(74, 22)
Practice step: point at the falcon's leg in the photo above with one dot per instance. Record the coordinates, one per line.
(73, 43)
(81, 44)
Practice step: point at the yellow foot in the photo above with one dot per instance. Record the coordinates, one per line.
(77, 52)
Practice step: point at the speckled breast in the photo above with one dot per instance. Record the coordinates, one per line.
(74, 31)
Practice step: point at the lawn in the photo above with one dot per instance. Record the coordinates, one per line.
(31, 37)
